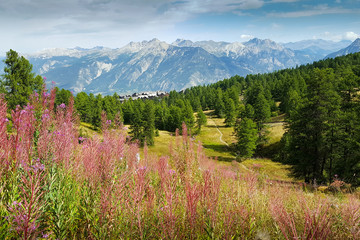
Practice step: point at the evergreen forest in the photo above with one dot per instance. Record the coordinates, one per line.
(58, 182)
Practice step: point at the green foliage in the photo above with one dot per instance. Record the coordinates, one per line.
(230, 114)
(188, 115)
(149, 123)
(246, 134)
(317, 130)
(262, 111)
(201, 119)
(62, 205)
(62, 96)
(19, 82)
(136, 128)
(219, 103)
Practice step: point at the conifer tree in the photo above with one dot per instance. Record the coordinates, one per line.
(261, 110)
(62, 96)
(188, 115)
(96, 109)
(230, 114)
(19, 82)
(219, 103)
(136, 127)
(313, 126)
(149, 123)
(83, 107)
(249, 111)
(174, 120)
(201, 119)
(246, 135)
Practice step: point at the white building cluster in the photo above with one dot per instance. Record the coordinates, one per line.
(143, 95)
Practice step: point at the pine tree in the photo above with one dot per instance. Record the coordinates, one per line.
(83, 107)
(230, 114)
(262, 114)
(96, 103)
(62, 96)
(174, 119)
(136, 127)
(219, 103)
(149, 123)
(201, 119)
(313, 128)
(262, 110)
(19, 82)
(188, 115)
(249, 111)
(246, 135)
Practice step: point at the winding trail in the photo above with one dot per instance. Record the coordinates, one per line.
(221, 135)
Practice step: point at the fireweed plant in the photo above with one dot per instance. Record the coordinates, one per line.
(55, 184)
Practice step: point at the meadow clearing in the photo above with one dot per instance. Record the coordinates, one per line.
(56, 184)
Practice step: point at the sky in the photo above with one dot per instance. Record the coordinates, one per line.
(28, 26)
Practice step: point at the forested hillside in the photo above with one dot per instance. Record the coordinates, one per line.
(320, 101)
(58, 183)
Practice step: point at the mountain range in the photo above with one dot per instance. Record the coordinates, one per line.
(158, 66)
(352, 48)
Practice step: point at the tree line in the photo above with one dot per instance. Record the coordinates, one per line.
(320, 102)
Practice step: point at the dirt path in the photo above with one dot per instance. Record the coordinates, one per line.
(273, 124)
(221, 135)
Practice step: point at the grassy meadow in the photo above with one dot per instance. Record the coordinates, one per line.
(58, 185)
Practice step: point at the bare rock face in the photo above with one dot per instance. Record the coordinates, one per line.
(158, 66)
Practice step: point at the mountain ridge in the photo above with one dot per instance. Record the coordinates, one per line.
(156, 65)
(352, 48)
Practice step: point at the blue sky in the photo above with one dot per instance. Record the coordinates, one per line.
(32, 25)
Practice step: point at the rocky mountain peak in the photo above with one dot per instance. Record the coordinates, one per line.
(352, 48)
(356, 42)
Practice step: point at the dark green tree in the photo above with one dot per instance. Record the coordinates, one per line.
(137, 125)
(230, 113)
(262, 110)
(313, 128)
(219, 103)
(201, 119)
(62, 96)
(19, 82)
(149, 123)
(83, 107)
(188, 115)
(246, 135)
(174, 120)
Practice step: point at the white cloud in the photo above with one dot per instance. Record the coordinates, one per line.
(314, 11)
(112, 23)
(246, 37)
(338, 37)
(350, 36)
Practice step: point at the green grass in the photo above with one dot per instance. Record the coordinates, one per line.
(87, 130)
(210, 138)
(270, 169)
(161, 146)
(215, 149)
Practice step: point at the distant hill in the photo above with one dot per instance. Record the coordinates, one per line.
(352, 48)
